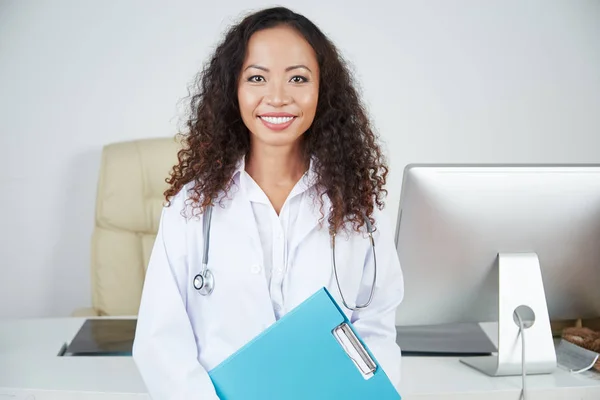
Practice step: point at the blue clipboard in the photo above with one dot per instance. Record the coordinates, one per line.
(313, 352)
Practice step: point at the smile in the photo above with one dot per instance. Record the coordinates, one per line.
(277, 123)
(277, 120)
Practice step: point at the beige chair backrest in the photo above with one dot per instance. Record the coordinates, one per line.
(128, 206)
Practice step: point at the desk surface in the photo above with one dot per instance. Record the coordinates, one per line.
(30, 369)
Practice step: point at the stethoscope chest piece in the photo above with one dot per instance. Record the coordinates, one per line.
(204, 283)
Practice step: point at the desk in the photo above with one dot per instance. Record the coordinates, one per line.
(31, 370)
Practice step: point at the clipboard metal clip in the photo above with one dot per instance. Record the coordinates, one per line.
(355, 350)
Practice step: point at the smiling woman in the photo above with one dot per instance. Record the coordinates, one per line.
(278, 142)
(278, 64)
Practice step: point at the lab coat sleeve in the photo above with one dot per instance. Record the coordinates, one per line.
(165, 350)
(376, 324)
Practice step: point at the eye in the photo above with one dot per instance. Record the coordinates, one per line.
(298, 79)
(256, 79)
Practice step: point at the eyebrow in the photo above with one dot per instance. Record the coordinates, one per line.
(290, 68)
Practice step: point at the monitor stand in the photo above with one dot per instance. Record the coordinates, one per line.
(520, 285)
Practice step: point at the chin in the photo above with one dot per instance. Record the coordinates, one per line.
(283, 138)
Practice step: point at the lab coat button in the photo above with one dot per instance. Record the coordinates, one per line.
(255, 269)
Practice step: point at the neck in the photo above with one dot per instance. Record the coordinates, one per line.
(275, 166)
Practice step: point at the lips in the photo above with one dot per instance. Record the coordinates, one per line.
(277, 121)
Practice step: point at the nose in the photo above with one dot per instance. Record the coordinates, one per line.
(277, 95)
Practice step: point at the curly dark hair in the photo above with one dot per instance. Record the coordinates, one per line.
(349, 165)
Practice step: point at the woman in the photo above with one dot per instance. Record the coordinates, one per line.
(282, 152)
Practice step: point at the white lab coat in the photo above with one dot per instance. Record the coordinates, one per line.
(181, 334)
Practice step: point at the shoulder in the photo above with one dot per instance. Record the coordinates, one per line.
(383, 221)
(178, 211)
(175, 223)
(384, 228)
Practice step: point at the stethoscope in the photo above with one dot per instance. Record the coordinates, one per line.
(204, 282)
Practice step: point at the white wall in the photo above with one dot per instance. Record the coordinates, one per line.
(459, 81)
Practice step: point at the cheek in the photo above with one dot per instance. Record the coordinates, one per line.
(248, 102)
(309, 102)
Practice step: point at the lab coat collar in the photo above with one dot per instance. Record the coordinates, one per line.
(308, 180)
(310, 209)
(255, 194)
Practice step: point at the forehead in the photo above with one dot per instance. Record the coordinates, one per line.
(279, 46)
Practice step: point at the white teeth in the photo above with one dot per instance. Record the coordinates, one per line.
(277, 120)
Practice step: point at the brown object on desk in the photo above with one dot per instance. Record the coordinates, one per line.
(586, 338)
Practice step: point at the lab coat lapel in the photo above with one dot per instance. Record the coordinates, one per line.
(241, 216)
(310, 215)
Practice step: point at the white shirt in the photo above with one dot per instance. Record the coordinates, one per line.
(275, 231)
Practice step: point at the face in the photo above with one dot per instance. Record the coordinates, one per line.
(278, 87)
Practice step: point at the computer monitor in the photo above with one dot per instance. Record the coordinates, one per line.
(458, 223)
